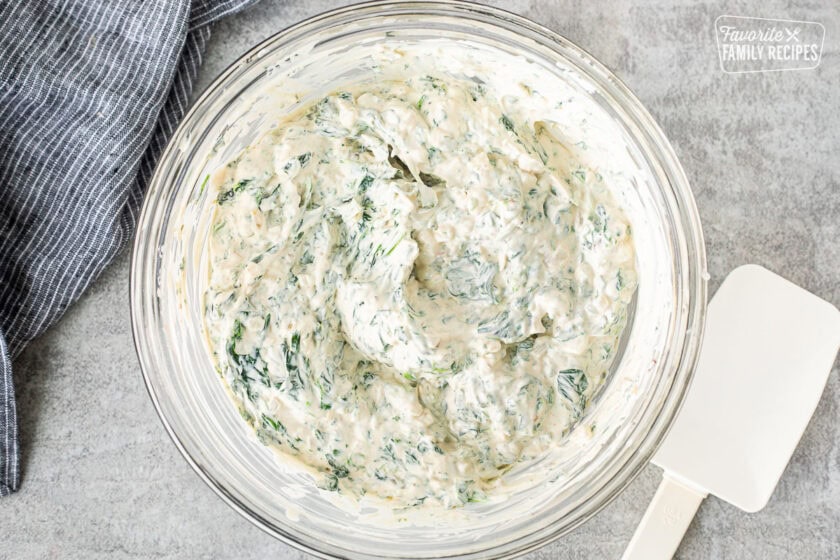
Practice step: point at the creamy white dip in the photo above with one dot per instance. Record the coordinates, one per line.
(416, 283)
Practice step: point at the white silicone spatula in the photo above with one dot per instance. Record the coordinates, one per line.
(768, 350)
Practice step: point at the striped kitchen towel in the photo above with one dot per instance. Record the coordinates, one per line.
(90, 90)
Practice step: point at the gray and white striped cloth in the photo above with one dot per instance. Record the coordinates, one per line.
(90, 90)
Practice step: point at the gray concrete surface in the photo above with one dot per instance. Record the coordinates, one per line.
(102, 479)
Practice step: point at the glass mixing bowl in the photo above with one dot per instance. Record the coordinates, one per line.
(634, 408)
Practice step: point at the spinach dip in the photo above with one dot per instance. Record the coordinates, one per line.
(415, 285)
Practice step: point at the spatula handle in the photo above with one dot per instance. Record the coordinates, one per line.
(665, 521)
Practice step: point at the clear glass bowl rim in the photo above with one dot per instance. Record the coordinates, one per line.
(686, 216)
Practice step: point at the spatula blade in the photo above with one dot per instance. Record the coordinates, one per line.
(767, 354)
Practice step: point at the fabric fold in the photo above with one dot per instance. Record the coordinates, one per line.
(90, 91)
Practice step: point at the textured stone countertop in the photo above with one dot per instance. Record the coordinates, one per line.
(103, 480)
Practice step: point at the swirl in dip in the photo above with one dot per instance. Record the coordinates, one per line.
(416, 284)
